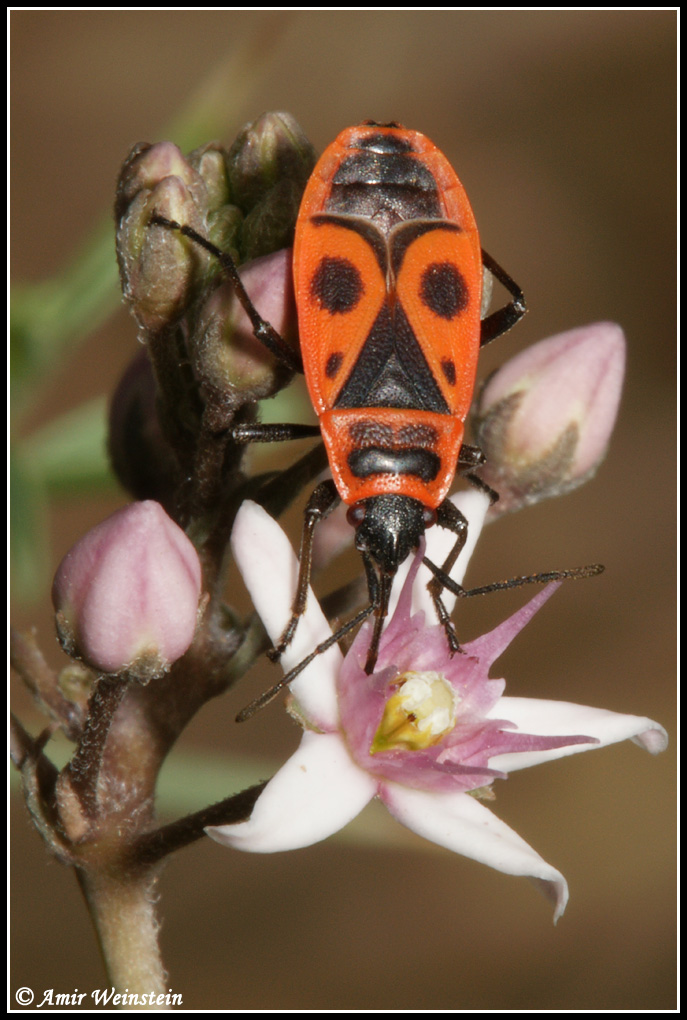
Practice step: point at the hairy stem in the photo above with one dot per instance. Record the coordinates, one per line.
(122, 907)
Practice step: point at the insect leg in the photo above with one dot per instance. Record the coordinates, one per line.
(262, 330)
(449, 517)
(503, 319)
(268, 432)
(472, 457)
(320, 504)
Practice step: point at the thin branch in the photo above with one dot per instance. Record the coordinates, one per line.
(153, 846)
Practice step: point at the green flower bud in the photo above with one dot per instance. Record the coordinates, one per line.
(161, 272)
(270, 224)
(266, 152)
(210, 162)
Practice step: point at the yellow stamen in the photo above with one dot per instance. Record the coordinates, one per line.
(420, 712)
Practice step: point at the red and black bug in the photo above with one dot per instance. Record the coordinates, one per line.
(388, 274)
(388, 280)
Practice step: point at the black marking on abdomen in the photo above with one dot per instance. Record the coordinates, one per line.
(398, 169)
(417, 435)
(383, 143)
(370, 432)
(385, 187)
(376, 460)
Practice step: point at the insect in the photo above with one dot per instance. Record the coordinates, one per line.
(388, 280)
(388, 271)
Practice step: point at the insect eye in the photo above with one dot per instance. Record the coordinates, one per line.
(429, 516)
(355, 514)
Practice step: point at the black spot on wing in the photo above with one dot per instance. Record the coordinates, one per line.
(448, 367)
(337, 285)
(333, 364)
(443, 290)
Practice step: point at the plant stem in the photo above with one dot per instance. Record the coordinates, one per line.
(123, 913)
(84, 768)
(154, 846)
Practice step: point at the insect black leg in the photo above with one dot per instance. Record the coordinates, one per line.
(503, 319)
(261, 432)
(449, 517)
(472, 457)
(477, 482)
(262, 330)
(322, 501)
(320, 504)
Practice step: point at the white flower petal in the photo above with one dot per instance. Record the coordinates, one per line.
(474, 505)
(270, 570)
(461, 823)
(317, 792)
(560, 718)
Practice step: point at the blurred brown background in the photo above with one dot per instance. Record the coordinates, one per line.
(561, 126)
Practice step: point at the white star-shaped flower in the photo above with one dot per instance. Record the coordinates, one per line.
(423, 732)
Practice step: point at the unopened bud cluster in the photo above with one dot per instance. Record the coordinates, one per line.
(244, 200)
(128, 595)
(207, 364)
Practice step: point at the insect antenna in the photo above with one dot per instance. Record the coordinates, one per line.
(513, 582)
(269, 695)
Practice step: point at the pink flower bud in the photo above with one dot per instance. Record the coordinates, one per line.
(160, 271)
(126, 596)
(225, 353)
(544, 420)
(147, 165)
